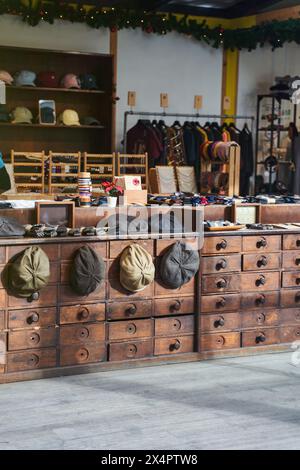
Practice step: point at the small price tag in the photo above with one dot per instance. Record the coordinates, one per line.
(2, 92)
(226, 103)
(164, 100)
(198, 102)
(131, 101)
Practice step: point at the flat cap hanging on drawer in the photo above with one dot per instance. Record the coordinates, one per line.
(179, 265)
(136, 268)
(87, 272)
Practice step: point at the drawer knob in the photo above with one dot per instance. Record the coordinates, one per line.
(84, 314)
(297, 261)
(131, 328)
(131, 309)
(261, 318)
(34, 338)
(131, 350)
(221, 245)
(220, 340)
(219, 323)
(262, 261)
(82, 355)
(33, 318)
(176, 306)
(33, 360)
(260, 300)
(175, 346)
(260, 338)
(177, 324)
(221, 283)
(83, 333)
(221, 302)
(222, 264)
(298, 243)
(260, 281)
(262, 243)
(297, 297)
(34, 296)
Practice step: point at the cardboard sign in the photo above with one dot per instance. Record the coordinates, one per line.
(226, 103)
(164, 100)
(129, 182)
(198, 102)
(131, 98)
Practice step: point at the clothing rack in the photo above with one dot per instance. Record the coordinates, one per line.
(182, 115)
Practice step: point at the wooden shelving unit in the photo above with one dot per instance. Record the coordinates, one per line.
(60, 169)
(100, 166)
(29, 171)
(135, 165)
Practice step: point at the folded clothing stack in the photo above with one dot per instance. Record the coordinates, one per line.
(52, 231)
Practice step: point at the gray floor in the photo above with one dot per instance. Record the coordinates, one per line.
(241, 403)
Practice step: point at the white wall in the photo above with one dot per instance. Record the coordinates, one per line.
(174, 64)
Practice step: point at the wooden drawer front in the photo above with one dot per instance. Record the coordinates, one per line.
(289, 334)
(260, 300)
(174, 306)
(186, 289)
(117, 291)
(54, 273)
(262, 243)
(260, 337)
(29, 339)
(213, 342)
(116, 247)
(82, 313)
(220, 264)
(253, 262)
(289, 316)
(51, 250)
(84, 354)
(291, 242)
(77, 334)
(35, 359)
(2, 255)
(291, 260)
(291, 279)
(127, 310)
(2, 297)
(32, 317)
(220, 303)
(130, 329)
(130, 350)
(162, 245)
(173, 345)
(229, 244)
(290, 297)
(3, 276)
(2, 320)
(220, 283)
(175, 325)
(219, 322)
(68, 250)
(67, 295)
(261, 318)
(260, 281)
(48, 296)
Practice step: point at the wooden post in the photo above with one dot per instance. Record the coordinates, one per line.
(113, 50)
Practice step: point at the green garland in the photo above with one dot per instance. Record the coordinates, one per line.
(274, 33)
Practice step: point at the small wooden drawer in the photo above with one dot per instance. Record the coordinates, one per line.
(226, 244)
(174, 325)
(219, 322)
(220, 303)
(2, 320)
(214, 342)
(291, 260)
(260, 318)
(3, 276)
(174, 306)
(289, 334)
(2, 255)
(127, 310)
(29, 339)
(83, 333)
(35, 359)
(260, 337)
(173, 345)
(130, 350)
(259, 300)
(220, 283)
(67, 295)
(54, 273)
(84, 354)
(68, 250)
(291, 242)
(130, 329)
(291, 279)
(3, 340)
(162, 245)
(116, 247)
(82, 313)
(32, 317)
(253, 262)
(262, 243)
(47, 296)
(290, 316)
(51, 250)
(160, 290)
(290, 298)
(260, 281)
(2, 297)
(117, 291)
(220, 264)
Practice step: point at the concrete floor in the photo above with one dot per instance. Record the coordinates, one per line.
(241, 403)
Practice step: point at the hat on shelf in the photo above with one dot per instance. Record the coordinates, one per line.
(24, 78)
(21, 115)
(70, 80)
(6, 77)
(136, 268)
(179, 265)
(47, 115)
(47, 79)
(90, 121)
(88, 81)
(88, 271)
(5, 116)
(69, 117)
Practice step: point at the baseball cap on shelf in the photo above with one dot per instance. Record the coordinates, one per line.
(21, 115)
(47, 79)
(89, 121)
(69, 117)
(4, 114)
(24, 78)
(88, 81)
(47, 115)
(6, 77)
(70, 80)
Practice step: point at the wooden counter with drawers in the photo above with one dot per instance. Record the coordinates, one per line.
(246, 299)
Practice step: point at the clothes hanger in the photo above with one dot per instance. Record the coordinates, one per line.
(176, 124)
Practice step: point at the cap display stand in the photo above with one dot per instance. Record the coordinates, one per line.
(134, 165)
(29, 170)
(100, 166)
(60, 169)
